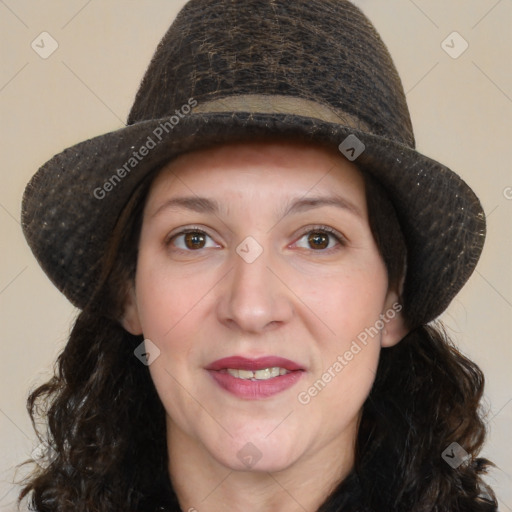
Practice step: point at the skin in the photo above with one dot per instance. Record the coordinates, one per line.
(300, 299)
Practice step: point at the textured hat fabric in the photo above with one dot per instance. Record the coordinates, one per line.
(231, 70)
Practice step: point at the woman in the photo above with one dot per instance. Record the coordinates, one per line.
(257, 256)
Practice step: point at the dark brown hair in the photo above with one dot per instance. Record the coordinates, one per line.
(105, 454)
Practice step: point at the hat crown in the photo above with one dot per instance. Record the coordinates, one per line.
(325, 52)
(314, 70)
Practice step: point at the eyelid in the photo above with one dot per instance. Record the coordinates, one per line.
(342, 239)
(183, 230)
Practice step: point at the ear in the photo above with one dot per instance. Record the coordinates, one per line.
(130, 320)
(394, 324)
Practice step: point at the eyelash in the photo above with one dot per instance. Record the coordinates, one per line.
(342, 241)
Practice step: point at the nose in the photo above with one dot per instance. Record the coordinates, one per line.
(254, 298)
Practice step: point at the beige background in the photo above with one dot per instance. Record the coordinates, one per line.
(461, 110)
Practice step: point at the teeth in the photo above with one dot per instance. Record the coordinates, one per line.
(243, 374)
(266, 373)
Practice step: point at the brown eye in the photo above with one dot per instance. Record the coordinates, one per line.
(321, 239)
(318, 240)
(194, 240)
(191, 240)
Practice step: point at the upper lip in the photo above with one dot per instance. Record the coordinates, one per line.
(260, 363)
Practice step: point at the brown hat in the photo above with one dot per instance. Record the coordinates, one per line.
(231, 70)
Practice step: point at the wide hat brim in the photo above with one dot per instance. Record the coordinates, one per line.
(71, 205)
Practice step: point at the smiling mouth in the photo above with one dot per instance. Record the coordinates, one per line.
(254, 379)
(264, 374)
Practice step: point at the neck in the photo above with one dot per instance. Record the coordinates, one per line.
(201, 483)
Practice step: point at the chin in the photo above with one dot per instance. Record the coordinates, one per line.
(258, 457)
(261, 466)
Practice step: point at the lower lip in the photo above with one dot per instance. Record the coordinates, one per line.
(255, 389)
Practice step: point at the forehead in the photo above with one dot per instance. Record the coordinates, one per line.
(265, 172)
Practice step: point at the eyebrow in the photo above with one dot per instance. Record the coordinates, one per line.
(207, 205)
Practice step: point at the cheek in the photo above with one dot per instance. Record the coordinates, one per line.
(169, 303)
(349, 304)
(346, 301)
(164, 296)
(166, 309)
(342, 401)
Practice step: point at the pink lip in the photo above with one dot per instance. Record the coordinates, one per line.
(243, 363)
(254, 390)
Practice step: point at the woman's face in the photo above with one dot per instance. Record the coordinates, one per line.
(260, 283)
